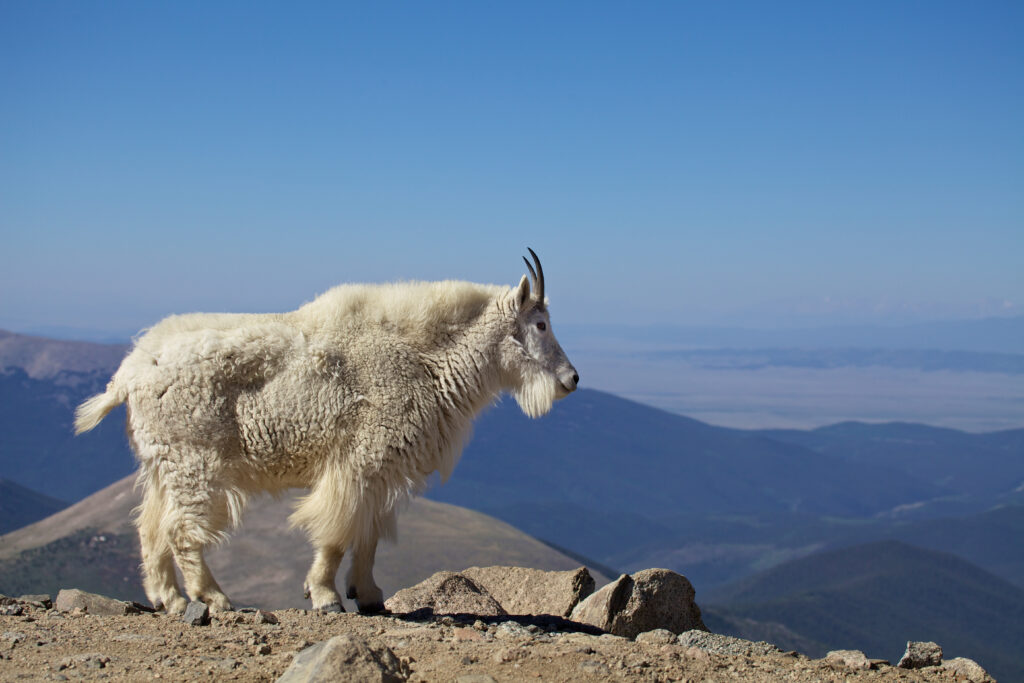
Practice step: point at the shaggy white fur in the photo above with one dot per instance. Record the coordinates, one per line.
(358, 396)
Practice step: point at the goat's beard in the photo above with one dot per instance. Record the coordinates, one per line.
(536, 393)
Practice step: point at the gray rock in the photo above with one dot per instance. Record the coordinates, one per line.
(197, 614)
(69, 599)
(476, 678)
(344, 658)
(511, 630)
(725, 645)
(968, 668)
(263, 617)
(920, 654)
(851, 659)
(41, 600)
(445, 593)
(648, 600)
(520, 590)
(659, 636)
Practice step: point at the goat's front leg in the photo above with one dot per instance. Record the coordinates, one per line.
(319, 585)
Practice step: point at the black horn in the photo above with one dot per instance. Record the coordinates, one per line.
(533, 273)
(538, 277)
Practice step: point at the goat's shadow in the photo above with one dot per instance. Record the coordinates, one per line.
(542, 623)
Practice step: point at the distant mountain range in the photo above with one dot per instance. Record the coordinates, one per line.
(871, 597)
(44, 358)
(633, 486)
(38, 448)
(20, 506)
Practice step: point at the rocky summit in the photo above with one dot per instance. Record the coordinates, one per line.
(480, 625)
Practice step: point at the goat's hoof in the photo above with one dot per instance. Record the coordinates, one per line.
(331, 608)
(351, 594)
(305, 591)
(371, 608)
(220, 607)
(176, 605)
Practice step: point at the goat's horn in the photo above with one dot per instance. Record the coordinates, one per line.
(538, 278)
(533, 273)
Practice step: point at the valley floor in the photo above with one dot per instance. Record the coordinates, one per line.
(805, 398)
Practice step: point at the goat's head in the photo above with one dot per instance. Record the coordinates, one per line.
(535, 367)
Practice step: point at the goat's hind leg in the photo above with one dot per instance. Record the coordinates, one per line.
(159, 580)
(199, 581)
(201, 510)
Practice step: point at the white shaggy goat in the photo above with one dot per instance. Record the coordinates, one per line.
(358, 396)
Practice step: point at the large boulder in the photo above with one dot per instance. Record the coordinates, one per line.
(533, 591)
(967, 668)
(648, 600)
(920, 654)
(344, 658)
(445, 593)
(69, 599)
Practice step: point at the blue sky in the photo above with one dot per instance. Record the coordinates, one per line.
(688, 163)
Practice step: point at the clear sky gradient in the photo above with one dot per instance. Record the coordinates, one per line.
(689, 163)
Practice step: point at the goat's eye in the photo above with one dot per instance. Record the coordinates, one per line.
(542, 326)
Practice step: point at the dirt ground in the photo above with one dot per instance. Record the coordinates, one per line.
(44, 644)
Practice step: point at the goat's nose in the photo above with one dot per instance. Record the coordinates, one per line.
(576, 377)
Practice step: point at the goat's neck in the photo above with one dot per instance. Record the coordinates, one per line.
(465, 369)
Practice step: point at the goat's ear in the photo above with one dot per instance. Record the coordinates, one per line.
(522, 294)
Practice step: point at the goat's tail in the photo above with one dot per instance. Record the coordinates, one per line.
(94, 409)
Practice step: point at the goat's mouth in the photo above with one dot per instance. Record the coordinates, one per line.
(562, 389)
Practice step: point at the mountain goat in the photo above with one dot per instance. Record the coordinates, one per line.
(358, 396)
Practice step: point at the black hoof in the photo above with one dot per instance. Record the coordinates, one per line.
(351, 594)
(372, 608)
(331, 608)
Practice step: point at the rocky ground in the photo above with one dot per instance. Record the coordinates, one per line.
(45, 644)
(81, 636)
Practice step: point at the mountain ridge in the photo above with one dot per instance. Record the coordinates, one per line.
(862, 596)
(20, 506)
(265, 561)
